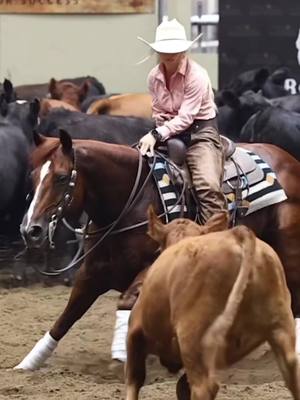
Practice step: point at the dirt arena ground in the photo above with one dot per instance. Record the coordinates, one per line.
(79, 369)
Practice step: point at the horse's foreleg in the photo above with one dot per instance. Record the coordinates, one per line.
(85, 291)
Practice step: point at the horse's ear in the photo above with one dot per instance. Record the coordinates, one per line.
(66, 141)
(52, 87)
(3, 106)
(38, 138)
(218, 222)
(156, 229)
(231, 99)
(83, 91)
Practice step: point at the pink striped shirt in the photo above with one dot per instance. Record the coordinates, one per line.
(189, 97)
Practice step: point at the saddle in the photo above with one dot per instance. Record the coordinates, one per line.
(240, 171)
(177, 149)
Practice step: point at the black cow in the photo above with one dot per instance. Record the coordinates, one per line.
(17, 122)
(237, 110)
(289, 103)
(276, 126)
(14, 151)
(271, 85)
(111, 129)
(22, 114)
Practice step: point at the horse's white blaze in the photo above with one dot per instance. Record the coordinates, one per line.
(43, 173)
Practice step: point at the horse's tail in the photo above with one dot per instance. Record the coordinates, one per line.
(214, 338)
(100, 106)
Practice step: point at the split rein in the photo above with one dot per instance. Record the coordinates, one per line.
(111, 228)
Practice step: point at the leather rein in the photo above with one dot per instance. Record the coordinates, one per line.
(110, 229)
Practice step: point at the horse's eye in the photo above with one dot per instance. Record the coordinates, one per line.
(62, 179)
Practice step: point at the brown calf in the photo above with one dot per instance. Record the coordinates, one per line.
(68, 92)
(206, 302)
(128, 105)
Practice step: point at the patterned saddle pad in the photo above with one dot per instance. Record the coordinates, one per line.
(257, 182)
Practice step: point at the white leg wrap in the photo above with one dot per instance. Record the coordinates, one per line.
(118, 347)
(39, 354)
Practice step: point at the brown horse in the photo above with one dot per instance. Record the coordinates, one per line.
(68, 91)
(105, 177)
(128, 105)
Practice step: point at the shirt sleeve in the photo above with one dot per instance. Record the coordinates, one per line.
(190, 106)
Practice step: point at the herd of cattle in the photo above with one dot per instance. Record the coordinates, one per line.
(254, 107)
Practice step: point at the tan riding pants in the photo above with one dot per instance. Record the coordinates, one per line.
(205, 160)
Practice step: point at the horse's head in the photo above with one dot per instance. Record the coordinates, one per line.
(68, 91)
(57, 188)
(166, 235)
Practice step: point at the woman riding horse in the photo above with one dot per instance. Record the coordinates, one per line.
(183, 105)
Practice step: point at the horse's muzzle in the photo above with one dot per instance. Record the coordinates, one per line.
(34, 235)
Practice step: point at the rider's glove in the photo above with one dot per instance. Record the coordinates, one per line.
(147, 144)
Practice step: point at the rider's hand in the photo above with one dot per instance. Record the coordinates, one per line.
(147, 144)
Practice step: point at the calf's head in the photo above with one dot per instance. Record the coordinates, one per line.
(166, 235)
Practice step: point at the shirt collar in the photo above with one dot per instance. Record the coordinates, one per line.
(181, 69)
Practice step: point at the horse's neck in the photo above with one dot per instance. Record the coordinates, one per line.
(108, 174)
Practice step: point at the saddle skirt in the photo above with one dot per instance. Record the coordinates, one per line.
(249, 185)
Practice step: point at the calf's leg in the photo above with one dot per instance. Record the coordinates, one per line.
(282, 342)
(135, 370)
(199, 368)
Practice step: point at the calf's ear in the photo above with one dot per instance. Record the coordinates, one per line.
(83, 91)
(218, 222)
(156, 229)
(34, 110)
(52, 88)
(261, 76)
(8, 88)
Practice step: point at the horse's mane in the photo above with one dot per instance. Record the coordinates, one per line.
(42, 152)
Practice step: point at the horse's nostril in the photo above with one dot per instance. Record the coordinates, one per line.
(35, 232)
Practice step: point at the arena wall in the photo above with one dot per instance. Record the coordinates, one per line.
(34, 48)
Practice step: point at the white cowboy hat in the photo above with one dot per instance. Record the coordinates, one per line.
(170, 37)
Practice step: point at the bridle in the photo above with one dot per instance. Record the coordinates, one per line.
(110, 229)
(65, 202)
